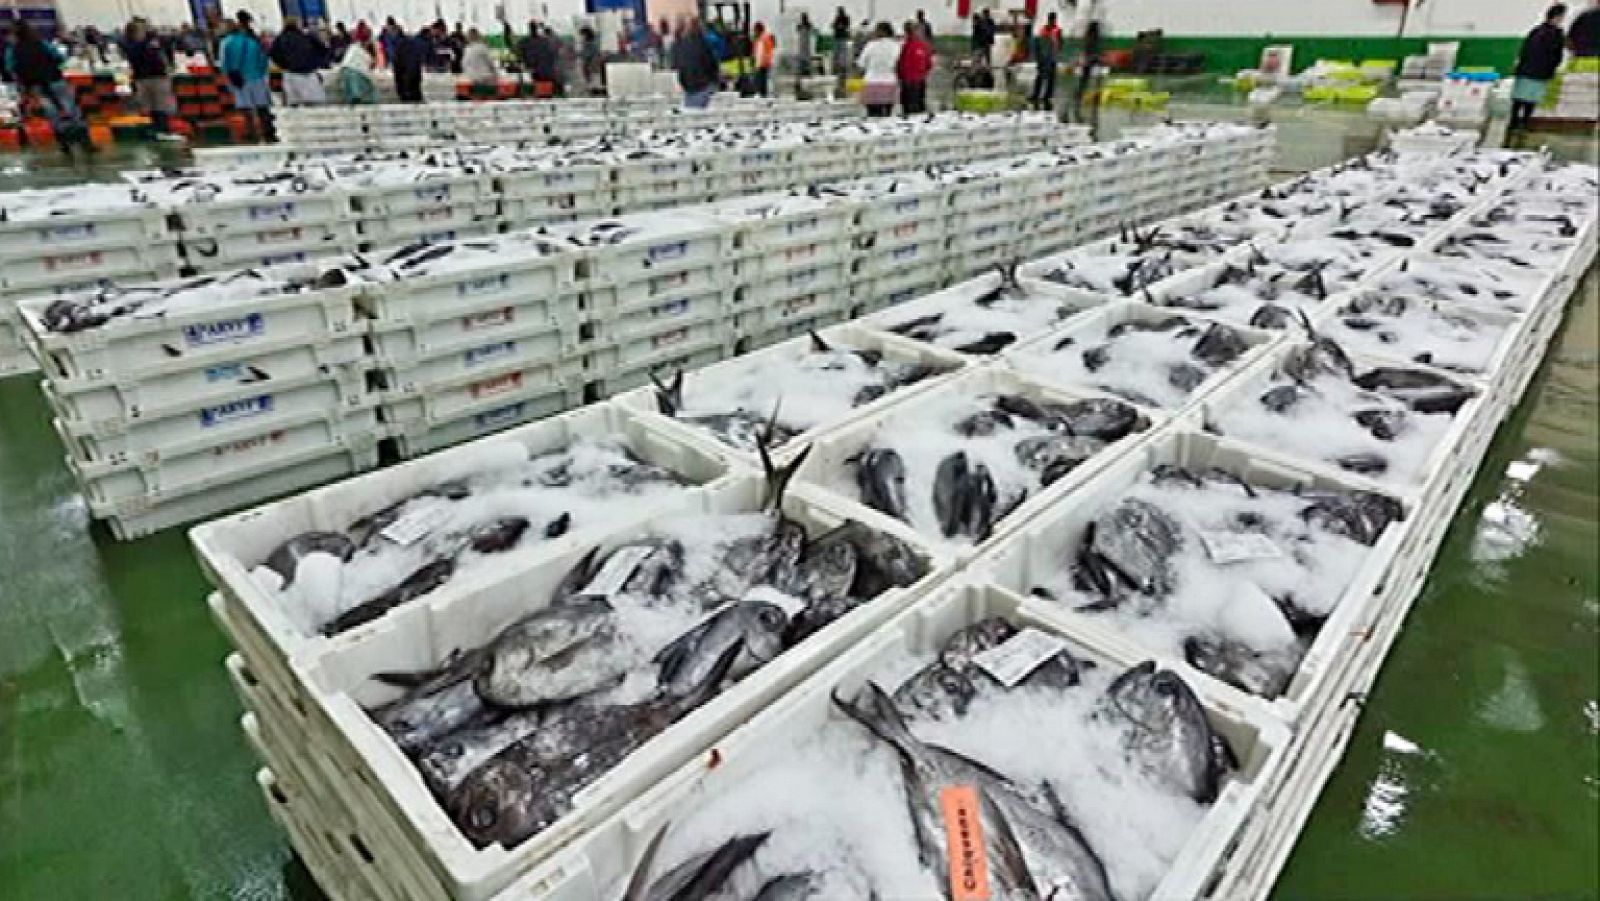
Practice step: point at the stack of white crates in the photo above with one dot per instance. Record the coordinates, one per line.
(265, 225)
(656, 291)
(49, 247)
(209, 406)
(475, 349)
(795, 256)
(984, 229)
(440, 207)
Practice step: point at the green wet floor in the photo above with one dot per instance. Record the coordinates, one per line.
(124, 775)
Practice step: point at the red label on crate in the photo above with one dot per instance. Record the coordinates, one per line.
(442, 212)
(906, 230)
(799, 304)
(488, 319)
(73, 260)
(676, 336)
(668, 282)
(278, 236)
(800, 253)
(497, 385)
(247, 445)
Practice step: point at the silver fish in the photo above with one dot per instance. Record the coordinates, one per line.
(1165, 731)
(554, 654)
(756, 626)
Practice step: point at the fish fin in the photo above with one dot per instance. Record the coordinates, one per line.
(672, 656)
(713, 680)
(817, 344)
(1010, 849)
(639, 882)
(669, 397)
(577, 577)
(778, 477)
(409, 678)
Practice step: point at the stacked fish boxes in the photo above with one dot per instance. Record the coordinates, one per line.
(241, 220)
(61, 241)
(206, 396)
(432, 207)
(485, 340)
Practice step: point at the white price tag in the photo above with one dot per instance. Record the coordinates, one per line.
(616, 571)
(1226, 547)
(416, 524)
(1013, 659)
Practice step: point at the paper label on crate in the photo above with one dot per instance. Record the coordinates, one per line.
(668, 282)
(235, 410)
(278, 235)
(1013, 659)
(906, 230)
(803, 252)
(986, 231)
(802, 225)
(1224, 547)
(901, 253)
(283, 259)
(801, 276)
(484, 285)
(488, 318)
(906, 206)
(617, 570)
(668, 251)
(271, 211)
(671, 308)
(73, 260)
(673, 337)
(436, 193)
(416, 524)
(489, 352)
(499, 416)
(226, 372)
(962, 807)
(67, 232)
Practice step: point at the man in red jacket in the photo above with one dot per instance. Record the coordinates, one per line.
(916, 63)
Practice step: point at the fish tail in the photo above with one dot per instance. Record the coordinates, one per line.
(817, 344)
(875, 710)
(639, 882)
(778, 477)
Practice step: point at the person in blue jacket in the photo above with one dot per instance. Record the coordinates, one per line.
(35, 64)
(244, 62)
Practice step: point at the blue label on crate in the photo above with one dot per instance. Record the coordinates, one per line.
(662, 168)
(271, 211)
(278, 259)
(437, 237)
(67, 232)
(989, 191)
(802, 225)
(484, 285)
(672, 308)
(902, 296)
(556, 178)
(226, 372)
(222, 331)
(905, 206)
(500, 416)
(489, 352)
(802, 276)
(436, 193)
(986, 231)
(669, 251)
(235, 410)
(903, 253)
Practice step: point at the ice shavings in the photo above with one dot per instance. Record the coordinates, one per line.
(1421, 331)
(976, 318)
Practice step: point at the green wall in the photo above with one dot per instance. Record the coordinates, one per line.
(1230, 54)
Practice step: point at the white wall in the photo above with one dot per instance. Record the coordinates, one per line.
(1221, 17)
(107, 15)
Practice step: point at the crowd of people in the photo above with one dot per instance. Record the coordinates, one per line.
(1541, 54)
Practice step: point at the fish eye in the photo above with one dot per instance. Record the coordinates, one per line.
(483, 816)
(1165, 687)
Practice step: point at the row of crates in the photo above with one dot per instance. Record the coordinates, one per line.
(368, 827)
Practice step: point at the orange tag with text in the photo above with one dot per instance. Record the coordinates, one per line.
(963, 830)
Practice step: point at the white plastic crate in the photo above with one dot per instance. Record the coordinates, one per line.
(661, 315)
(831, 464)
(416, 634)
(94, 404)
(759, 364)
(882, 292)
(108, 230)
(539, 288)
(1246, 387)
(284, 800)
(42, 273)
(137, 515)
(609, 854)
(555, 209)
(245, 214)
(569, 181)
(627, 364)
(656, 171)
(188, 425)
(435, 224)
(129, 348)
(761, 290)
(661, 195)
(274, 642)
(1046, 542)
(469, 190)
(764, 224)
(780, 319)
(904, 203)
(663, 243)
(925, 252)
(270, 246)
(610, 301)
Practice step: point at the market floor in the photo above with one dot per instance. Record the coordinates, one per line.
(123, 773)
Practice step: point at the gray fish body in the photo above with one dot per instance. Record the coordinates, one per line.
(883, 561)
(1138, 539)
(705, 874)
(756, 626)
(448, 761)
(1165, 730)
(825, 572)
(1360, 516)
(1219, 346)
(1107, 420)
(430, 712)
(798, 886)
(555, 654)
(1056, 454)
(285, 559)
(1263, 675)
(881, 479)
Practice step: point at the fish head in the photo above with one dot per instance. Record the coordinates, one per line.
(764, 625)
(937, 691)
(973, 640)
(503, 802)
(1166, 728)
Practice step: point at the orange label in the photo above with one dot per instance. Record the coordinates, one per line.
(963, 830)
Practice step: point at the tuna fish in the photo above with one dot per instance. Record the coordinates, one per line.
(1165, 731)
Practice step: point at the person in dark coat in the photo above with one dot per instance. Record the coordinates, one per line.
(696, 65)
(1536, 65)
(410, 53)
(541, 57)
(1583, 35)
(35, 65)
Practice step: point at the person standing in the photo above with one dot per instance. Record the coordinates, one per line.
(695, 64)
(456, 46)
(35, 65)
(805, 36)
(1046, 52)
(477, 61)
(410, 52)
(363, 34)
(1536, 65)
(244, 62)
(1093, 44)
(542, 58)
(1583, 35)
(152, 83)
(765, 50)
(389, 40)
(879, 62)
(340, 42)
(916, 63)
(841, 47)
(354, 75)
(982, 36)
(589, 58)
(301, 55)
(924, 27)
